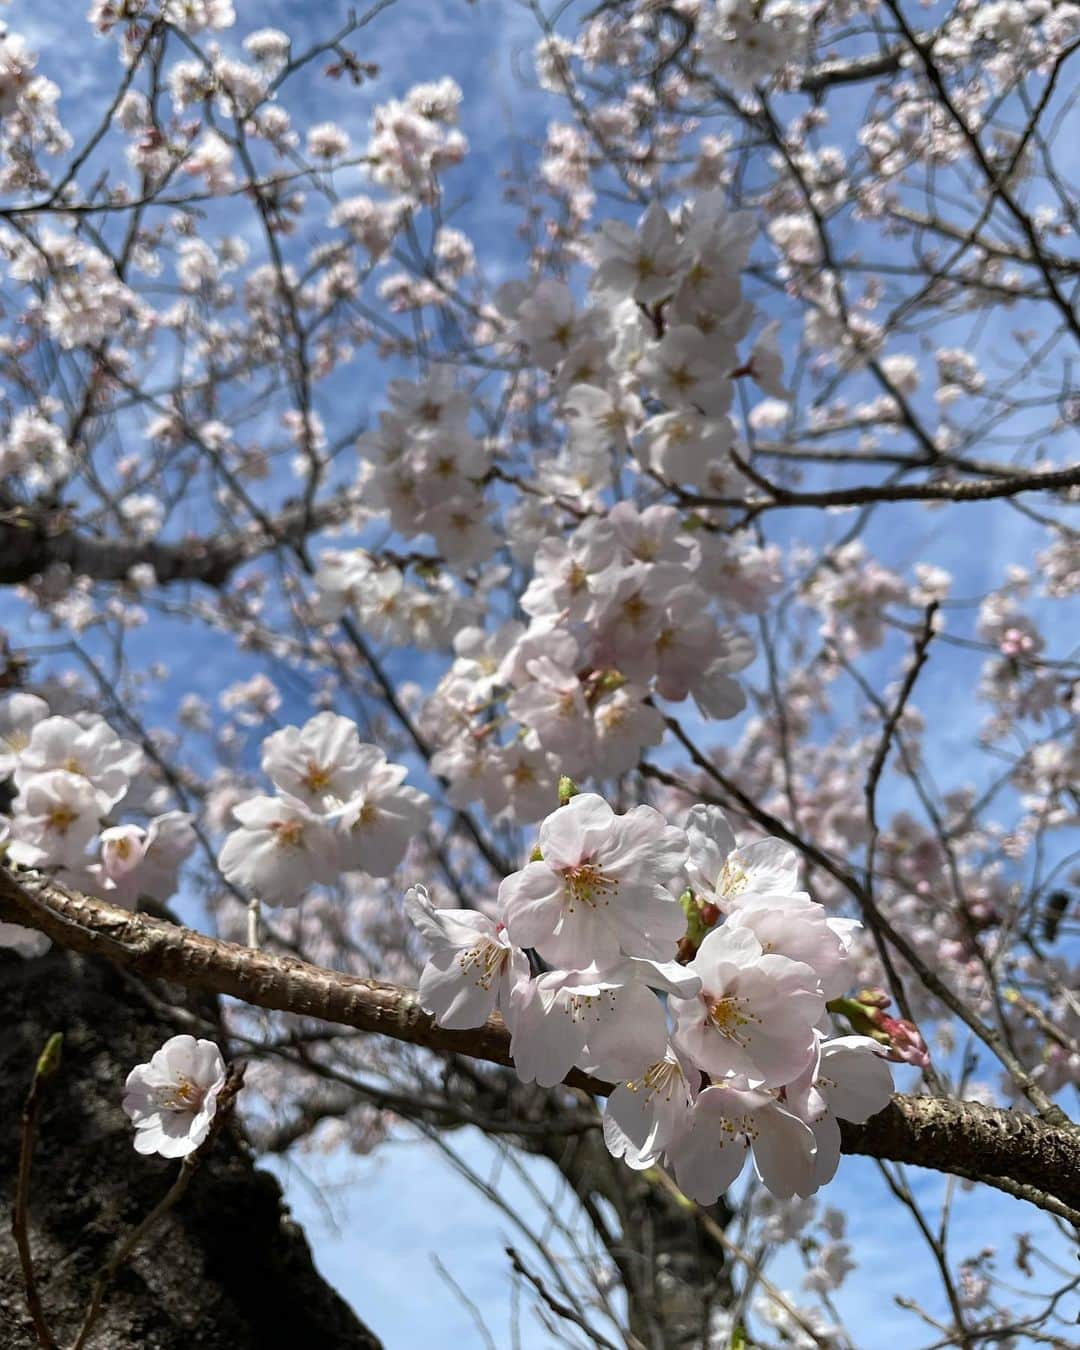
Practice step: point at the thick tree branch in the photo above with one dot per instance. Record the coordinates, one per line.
(1032, 1157)
(32, 540)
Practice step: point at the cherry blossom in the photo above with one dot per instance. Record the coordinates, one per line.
(643, 262)
(19, 713)
(88, 748)
(137, 861)
(374, 826)
(604, 1019)
(280, 849)
(57, 814)
(796, 927)
(473, 969)
(849, 1080)
(321, 764)
(600, 886)
(725, 874)
(727, 1122)
(756, 1011)
(646, 1115)
(25, 942)
(172, 1099)
(654, 465)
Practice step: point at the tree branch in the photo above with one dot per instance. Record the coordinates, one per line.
(32, 540)
(961, 491)
(1032, 1157)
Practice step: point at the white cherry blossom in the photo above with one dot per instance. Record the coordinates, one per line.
(562, 568)
(25, 942)
(755, 1013)
(520, 781)
(548, 323)
(321, 763)
(624, 725)
(172, 1099)
(57, 814)
(600, 887)
(646, 1114)
(849, 1079)
(723, 873)
(19, 714)
(727, 1121)
(645, 262)
(137, 861)
(381, 815)
(86, 746)
(473, 968)
(795, 926)
(686, 369)
(553, 705)
(280, 849)
(604, 1019)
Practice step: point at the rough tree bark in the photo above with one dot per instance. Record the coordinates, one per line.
(226, 1269)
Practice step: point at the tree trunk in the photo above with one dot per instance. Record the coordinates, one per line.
(225, 1269)
(674, 1272)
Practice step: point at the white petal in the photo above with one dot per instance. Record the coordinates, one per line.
(711, 840)
(784, 1153)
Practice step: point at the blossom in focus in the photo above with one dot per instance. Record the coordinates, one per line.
(600, 888)
(755, 1013)
(606, 1021)
(647, 1114)
(795, 927)
(172, 1100)
(727, 1121)
(850, 1080)
(342, 808)
(473, 967)
(722, 873)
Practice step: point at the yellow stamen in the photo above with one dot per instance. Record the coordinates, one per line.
(587, 885)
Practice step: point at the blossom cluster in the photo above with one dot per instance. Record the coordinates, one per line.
(424, 468)
(617, 615)
(73, 780)
(340, 807)
(720, 1053)
(625, 605)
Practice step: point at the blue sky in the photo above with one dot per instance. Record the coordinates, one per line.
(377, 1220)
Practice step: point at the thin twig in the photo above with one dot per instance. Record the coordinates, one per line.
(46, 1068)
